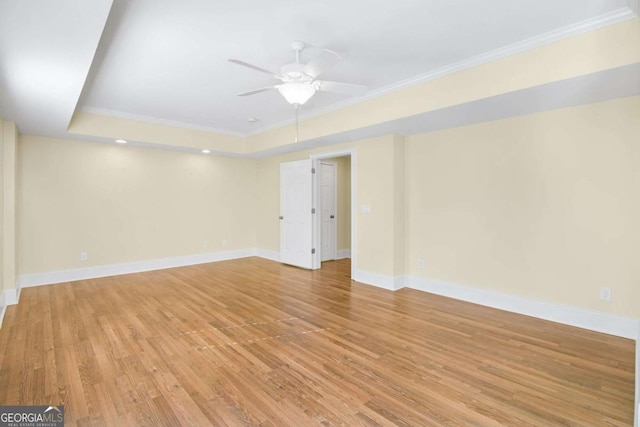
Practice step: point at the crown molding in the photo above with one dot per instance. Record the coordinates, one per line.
(156, 120)
(550, 37)
(592, 88)
(544, 39)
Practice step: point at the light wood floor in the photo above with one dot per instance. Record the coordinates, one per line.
(253, 342)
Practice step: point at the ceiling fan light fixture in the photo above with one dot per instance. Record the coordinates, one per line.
(297, 93)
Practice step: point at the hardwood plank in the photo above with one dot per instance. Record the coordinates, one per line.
(253, 342)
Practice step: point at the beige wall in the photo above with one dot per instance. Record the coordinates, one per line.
(380, 184)
(122, 204)
(544, 206)
(399, 205)
(541, 206)
(8, 205)
(1, 211)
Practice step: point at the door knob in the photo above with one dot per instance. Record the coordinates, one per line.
(281, 217)
(331, 216)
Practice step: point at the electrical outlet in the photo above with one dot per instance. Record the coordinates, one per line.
(605, 294)
(205, 245)
(83, 256)
(420, 263)
(224, 243)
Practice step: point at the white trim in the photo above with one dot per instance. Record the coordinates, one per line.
(318, 187)
(594, 23)
(331, 154)
(637, 400)
(544, 39)
(275, 255)
(540, 40)
(344, 253)
(7, 298)
(270, 255)
(379, 280)
(11, 297)
(569, 315)
(3, 308)
(593, 320)
(316, 223)
(351, 152)
(39, 279)
(400, 282)
(157, 120)
(354, 207)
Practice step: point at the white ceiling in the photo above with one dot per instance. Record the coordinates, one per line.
(46, 49)
(166, 60)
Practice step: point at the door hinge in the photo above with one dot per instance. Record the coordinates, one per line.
(313, 251)
(313, 170)
(313, 210)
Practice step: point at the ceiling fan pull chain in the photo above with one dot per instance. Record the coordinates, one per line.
(296, 106)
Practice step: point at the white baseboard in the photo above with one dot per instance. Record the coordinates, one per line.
(270, 255)
(7, 298)
(3, 308)
(637, 422)
(380, 280)
(574, 316)
(568, 315)
(10, 297)
(39, 279)
(275, 255)
(343, 253)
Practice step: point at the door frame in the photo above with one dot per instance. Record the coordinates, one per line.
(315, 158)
(335, 205)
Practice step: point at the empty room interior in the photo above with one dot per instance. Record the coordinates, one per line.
(278, 213)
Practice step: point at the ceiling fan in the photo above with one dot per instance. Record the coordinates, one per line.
(299, 81)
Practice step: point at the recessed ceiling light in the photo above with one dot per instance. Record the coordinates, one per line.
(205, 151)
(252, 119)
(121, 141)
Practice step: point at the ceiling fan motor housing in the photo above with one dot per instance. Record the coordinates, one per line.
(295, 73)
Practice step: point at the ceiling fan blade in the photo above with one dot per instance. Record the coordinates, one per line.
(253, 67)
(345, 88)
(321, 63)
(253, 92)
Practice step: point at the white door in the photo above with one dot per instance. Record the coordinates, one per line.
(328, 208)
(296, 220)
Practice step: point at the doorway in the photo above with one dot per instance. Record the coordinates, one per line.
(334, 200)
(300, 198)
(328, 209)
